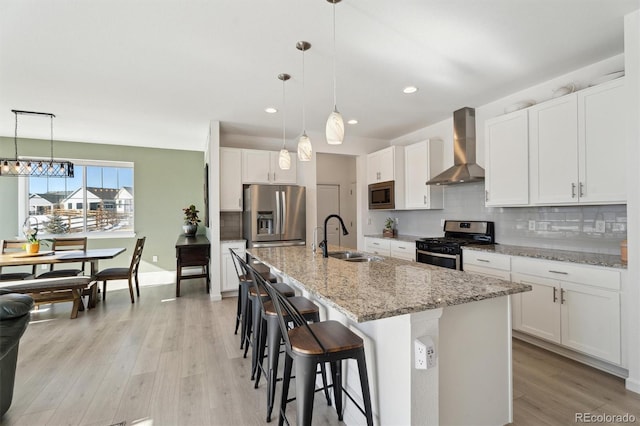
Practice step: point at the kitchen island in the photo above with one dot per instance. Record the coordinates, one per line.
(391, 304)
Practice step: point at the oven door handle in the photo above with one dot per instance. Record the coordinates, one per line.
(430, 253)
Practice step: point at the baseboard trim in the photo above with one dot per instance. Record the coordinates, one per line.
(576, 356)
(633, 385)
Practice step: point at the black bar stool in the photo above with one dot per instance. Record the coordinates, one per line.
(309, 345)
(244, 283)
(270, 336)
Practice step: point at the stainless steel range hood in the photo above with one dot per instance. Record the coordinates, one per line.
(465, 169)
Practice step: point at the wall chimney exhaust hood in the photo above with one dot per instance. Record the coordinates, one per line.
(464, 169)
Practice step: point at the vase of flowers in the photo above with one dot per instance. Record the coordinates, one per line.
(191, 220)
(30, 231)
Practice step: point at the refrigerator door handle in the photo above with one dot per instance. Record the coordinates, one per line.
(277, 218)
(283, 217)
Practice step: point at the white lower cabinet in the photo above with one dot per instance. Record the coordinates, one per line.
(572, 305)
(487, 264)
(379, 246)
(405, 250)
(228, 274)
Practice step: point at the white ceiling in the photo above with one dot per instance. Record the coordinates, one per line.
(153, 73)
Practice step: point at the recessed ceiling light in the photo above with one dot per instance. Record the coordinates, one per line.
(410, 89)
(270, 110)
(352, 121)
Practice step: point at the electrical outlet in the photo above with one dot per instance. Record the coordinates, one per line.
(154, 259)
(532, 225)
(441, 222)
(424, 353)
(397, 221)
(600, 226)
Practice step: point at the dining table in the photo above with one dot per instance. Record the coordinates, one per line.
(44, 257)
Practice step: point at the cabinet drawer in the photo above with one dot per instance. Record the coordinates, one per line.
(485, 259)
(403, 249)
(378, 246)
(564, 271)
(488, 272)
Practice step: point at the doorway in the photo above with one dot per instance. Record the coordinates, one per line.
(329, 203)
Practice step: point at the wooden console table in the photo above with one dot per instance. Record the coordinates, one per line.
(192, 251)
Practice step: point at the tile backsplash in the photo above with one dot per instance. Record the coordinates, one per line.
(598, 229)
(230, 225)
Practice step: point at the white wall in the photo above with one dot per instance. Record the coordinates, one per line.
(632, 81)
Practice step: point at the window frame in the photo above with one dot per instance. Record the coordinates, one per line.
(23, 198)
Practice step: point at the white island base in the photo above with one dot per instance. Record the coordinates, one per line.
(471, 383)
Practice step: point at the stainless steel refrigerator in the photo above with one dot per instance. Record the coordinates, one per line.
(274, 215)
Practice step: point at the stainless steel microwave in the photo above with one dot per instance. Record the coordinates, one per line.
(382, 195)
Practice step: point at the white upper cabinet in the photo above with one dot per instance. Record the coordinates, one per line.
(554, 151)
(381, 165)
(422, 161)
(262, 167)
(602, 143)
(507, 160)
(576, 151)
(230, 179)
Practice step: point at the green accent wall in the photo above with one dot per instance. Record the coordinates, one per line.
(165, 181)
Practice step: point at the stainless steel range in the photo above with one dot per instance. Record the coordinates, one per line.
(447, 251)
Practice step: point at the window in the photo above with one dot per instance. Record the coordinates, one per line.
(60, 204)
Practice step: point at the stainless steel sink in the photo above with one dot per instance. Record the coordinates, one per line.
(354, 256)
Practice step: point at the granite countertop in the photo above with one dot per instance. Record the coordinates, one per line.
(596, 259)
(373, 290)
(399, 237)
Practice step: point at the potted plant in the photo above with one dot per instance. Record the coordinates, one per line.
(30, 232)
(191, 220)
(388, 230)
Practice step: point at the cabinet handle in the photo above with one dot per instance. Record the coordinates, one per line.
(425, 199)
(376, 244)
(486, 195)
(562, 296)
(274, 176)
(484, 260)
(573, 190)
(555, 295)
(402, 248)
(240, 202)
(581, 189)
(268, 176)
(558, 272)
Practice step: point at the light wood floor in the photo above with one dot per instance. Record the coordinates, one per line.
(166, 361)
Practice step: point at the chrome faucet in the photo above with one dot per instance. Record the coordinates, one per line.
(323, 243)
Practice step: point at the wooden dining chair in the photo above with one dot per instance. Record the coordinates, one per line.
(129, 273)
(66, 244)
(14, 246)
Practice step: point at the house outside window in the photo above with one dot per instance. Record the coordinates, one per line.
(58, 204)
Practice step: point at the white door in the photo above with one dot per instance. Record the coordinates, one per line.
(591, 321)
(554, 151)
(540, 307)
(507, 160)
(329, 203)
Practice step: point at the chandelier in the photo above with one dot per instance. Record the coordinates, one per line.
(18, 166)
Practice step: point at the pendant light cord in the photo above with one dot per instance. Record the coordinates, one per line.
(15, 136)
(51, 117)
(335, 102)
(284, 117)
(304, 120)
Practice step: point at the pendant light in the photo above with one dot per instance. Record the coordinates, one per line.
(335, 124)
(304, 143)
(35, 167)
(284, 159)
